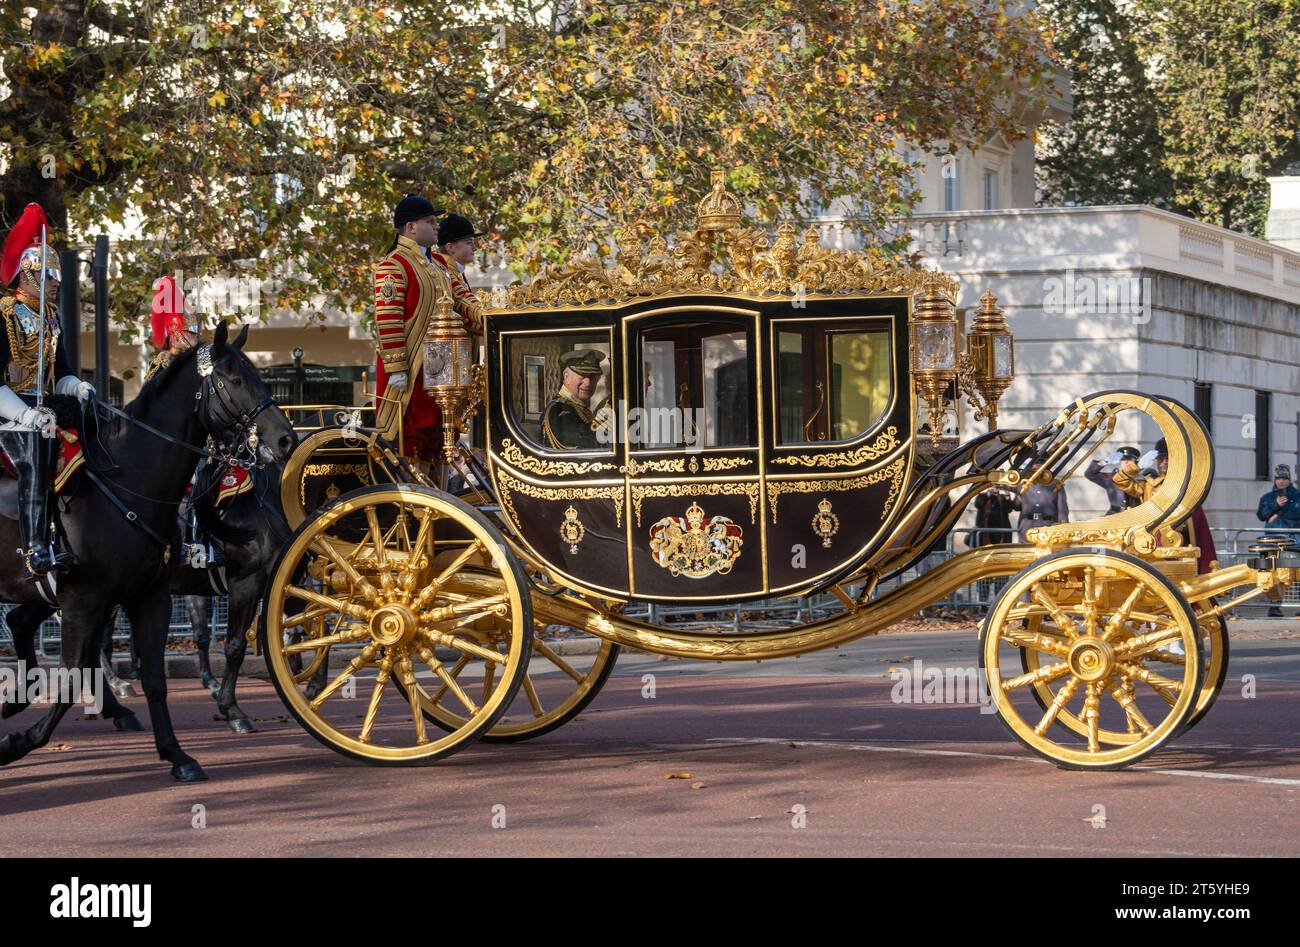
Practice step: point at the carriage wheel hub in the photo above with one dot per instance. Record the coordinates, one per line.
(1091, 659)
(393, 624)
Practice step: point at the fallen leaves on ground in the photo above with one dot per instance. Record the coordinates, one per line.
(678, 776)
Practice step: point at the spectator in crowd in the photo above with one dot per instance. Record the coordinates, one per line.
(993, 525)
(1041, 505)
(1280, 509)
(1101, 472)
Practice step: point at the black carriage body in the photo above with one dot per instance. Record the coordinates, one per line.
(758, 446)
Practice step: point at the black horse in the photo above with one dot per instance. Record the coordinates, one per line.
(121, 530)
(251, 529)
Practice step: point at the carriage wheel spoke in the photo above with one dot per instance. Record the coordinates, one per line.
(1092, 714)
(1122, 613)
(1041, 641)
(376, 538)
(466, 647)
(315, 644)
(381, 681)
(462, 609)
(455, 672)
(489, 677)
(407, 672)
(1167, 688)
(1044, 675)
(458, 563)
(1135, 719)
(1059, 614)
(1141, 645)
(557, 661)
(449, 682)
(365, 659)
(1090, 601)
(333, 604)
(1058, 703)
(310, 614)
(322, 546)
(533, 699)
(422, 536)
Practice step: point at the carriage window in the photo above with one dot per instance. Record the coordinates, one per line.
(835, 382)
(559, 388)
(695, 382)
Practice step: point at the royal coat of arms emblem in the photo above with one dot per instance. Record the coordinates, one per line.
(695, 546)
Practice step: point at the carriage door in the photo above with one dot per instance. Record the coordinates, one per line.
(840, 446)
(692, 455)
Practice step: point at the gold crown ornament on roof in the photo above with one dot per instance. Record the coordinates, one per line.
(721, 254)
(720, 209)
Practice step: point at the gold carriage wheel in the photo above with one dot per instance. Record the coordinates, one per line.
(1214, 636)
(371, 577)
(534, 711)
(1103, 622)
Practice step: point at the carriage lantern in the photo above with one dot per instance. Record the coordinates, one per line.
(990, 361)
(934, 351)
(447, 366)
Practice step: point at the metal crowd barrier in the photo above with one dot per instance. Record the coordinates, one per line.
(1231, 544)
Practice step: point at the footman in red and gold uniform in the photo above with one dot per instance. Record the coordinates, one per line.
(407, 287)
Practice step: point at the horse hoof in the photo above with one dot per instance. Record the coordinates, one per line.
(123, 689)
(128, 723)
(188, 772)
(241, 725)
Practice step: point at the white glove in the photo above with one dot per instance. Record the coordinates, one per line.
(398, 380)
(40, 419)
(72, 385)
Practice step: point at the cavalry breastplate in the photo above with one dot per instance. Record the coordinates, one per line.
(22, 326)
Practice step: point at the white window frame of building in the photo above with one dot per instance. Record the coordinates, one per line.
(950, 173)
(992, 188)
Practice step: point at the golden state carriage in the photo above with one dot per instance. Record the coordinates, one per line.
(771, 429)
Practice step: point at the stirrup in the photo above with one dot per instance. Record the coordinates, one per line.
(41, 562)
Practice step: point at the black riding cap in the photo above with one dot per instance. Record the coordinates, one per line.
(455, 227)
(413, 207)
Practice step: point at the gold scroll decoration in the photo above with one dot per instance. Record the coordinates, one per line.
(509, 486)
(893, 473)
(642, 491)
(882, 445)
(513, 456)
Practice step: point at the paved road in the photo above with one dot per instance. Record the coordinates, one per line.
(814, 742)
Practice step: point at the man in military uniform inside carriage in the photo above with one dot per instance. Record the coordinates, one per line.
(35, 368)
(568, 421)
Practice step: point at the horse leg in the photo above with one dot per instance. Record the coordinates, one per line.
(23, 621)
(242, 606)
(79, 643)
(198, 608)
(149, 616)
(116, 685)
(123, 717)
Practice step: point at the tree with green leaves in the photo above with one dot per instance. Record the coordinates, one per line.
(270, 140)
(1182, 104)
(1111, 150)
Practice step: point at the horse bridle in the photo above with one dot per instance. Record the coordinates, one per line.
(218, 412)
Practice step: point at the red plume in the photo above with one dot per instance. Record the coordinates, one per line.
(24, 234)
(167, 312)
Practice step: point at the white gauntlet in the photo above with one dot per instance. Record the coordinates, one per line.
(398, 380)
(72, 385)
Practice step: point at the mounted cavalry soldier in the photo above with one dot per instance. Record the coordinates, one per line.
(407, 288)
(35, 369)
(170, 331)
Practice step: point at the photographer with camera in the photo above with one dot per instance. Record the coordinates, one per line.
(1280, 509)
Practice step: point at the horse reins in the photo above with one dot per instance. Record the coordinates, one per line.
(210, 392)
